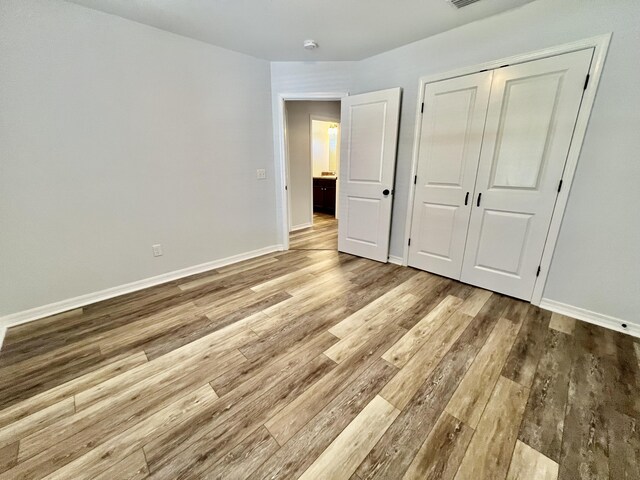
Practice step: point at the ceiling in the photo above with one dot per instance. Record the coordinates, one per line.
(275, 29)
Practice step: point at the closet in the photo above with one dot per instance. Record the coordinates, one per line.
(492, 151)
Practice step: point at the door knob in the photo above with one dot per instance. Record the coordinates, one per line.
(385, 192)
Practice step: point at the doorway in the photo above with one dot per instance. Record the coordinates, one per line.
(312, 146)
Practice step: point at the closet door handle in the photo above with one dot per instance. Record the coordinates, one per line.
(479, 197)
(386, 192)
(466, 198)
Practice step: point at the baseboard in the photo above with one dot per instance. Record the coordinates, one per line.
(395, 260)
(301, 227)
(600, 319)
(77, 302)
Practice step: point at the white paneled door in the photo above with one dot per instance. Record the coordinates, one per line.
(452, 126)
(367, 168)
(530, 121)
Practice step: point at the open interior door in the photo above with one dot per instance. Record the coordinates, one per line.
(367, 169)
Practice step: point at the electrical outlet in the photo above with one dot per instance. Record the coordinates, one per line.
(261, 173)
(157, 250)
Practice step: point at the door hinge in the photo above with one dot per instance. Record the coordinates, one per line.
(560, 186)
(415, 179)
(586, 82)
(409, 243)
(422, 108)
(538, 272)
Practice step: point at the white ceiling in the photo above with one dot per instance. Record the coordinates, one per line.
(275, 29)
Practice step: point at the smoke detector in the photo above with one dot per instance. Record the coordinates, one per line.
(310, 44)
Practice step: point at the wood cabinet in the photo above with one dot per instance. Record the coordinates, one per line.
(324, 195)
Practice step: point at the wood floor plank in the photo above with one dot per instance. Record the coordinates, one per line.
(119, 447)
(41, 401)
(584, 442)
(295, 415)
(562, 323)
(624, 385)
(211, 443)
(474, 303)
(543, 422)
(528, 463)
(371, 310)
(437, 291)
(491, 448)
(8, 456)
(409, 379)
(44, 325)
(127, 337)
(443, 450)
(309, 442)
(238, 399)
(400, 353)
(280, 361)
(296, 330)
(525, 354)
(248, 455)
(345, 453)
(134, 467)
(214, 345)
(472, 395)
(420, 415)
(36, 421)
(62, 442)
(31, 377)
(624, 445)
(350, 344)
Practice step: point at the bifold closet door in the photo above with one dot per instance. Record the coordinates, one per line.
(450, 140)
(532, 113)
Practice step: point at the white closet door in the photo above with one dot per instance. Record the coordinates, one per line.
(450, 141)
(369, 125)
(530, 121)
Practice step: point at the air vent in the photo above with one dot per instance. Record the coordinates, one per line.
(461, 3)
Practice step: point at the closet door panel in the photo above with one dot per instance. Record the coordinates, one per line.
(451, 135)
(530, 121)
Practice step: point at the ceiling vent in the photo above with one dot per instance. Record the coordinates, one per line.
(461, 3)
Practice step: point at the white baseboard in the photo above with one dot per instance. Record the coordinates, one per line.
(395, 260)
(301, 227)
(77, 302)
(600, 319)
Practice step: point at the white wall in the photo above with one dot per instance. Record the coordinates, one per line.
(298, 115)
(115, 136)
(597, 260)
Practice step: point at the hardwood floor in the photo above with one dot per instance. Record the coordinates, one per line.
(315, 364)
(323, 235)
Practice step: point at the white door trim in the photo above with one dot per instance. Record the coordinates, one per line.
(600, 44)
(282, 169)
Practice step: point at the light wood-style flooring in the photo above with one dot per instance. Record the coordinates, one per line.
(315, 364)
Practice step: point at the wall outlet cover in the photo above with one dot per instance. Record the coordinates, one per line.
(261, 174)
(157, 250)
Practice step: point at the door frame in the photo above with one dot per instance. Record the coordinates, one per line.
(600, 44)
(282, 163)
